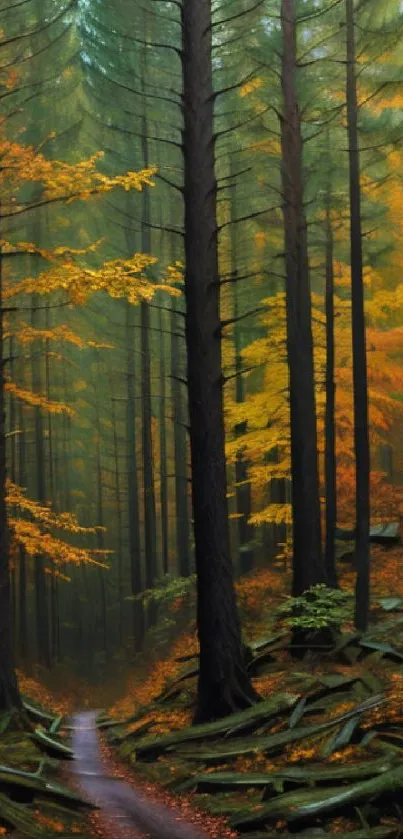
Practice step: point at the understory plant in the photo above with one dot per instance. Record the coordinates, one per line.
(319, 608)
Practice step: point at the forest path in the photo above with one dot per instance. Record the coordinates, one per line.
(123, 812)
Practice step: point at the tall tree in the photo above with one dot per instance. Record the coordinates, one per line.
(242, 484)
(360, 375)
(180, 445)
(9, 694)
(308, 565)
(330, 387)
(224, 684)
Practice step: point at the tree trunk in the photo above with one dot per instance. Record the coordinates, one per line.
(224, 684)
(150, 518)
(41, 590)
(103, 610)
(54, 591)
(242, 485)
(360, 378)
(23, 644)
(132, 485)
(180, 449)
(330, 430)
(119, 525)
(9, 695)
(163, 451)
(308, 564)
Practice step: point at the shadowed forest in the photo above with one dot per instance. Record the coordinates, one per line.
(201, 419)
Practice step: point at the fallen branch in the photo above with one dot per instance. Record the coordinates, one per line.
(310, 804)
(239, 721)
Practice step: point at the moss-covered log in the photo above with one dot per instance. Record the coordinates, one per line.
(301, 775)
(272, 743)
(307, 805)
(382, 832)
(10, 777)
(241, 721)
(51, 745)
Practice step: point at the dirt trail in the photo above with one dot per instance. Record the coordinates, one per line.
(126, 813)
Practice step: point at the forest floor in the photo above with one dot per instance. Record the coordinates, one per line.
(321, 755)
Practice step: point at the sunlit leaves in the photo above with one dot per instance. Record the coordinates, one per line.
(37, 400)
(59, 181)
(36, 526)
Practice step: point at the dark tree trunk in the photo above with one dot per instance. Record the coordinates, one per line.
(308, 564)
(150, 522)
(103, 610)
(360, 377)
(163, 451)
(119, 524)
(11, 423)
(41, 589)
(224, 685)
(330, 428)
(242, 485)
(23, 645)
(9, 695)
(150, 518)
(132, 485)
(180, 448)
(54, 592)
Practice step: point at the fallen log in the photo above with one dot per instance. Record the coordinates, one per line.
(37, 713)
(52, 746)
(239, 721)
(20, 817)
(381, 832)
(303, 775)
(10, 777)
(272, 742)
(310, 804)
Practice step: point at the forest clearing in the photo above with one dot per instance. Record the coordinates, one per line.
(201, 419)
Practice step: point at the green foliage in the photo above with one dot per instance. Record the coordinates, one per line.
(167, 590)
(318, 608)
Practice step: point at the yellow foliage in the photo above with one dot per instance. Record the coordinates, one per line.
(35, 535)
(250, 86)
(26, 335)
(36, 400)
(265, 444)
(120, 278)
(59, 181)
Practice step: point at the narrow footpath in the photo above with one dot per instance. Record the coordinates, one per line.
(125, 813)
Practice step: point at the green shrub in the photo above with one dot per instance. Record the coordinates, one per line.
(318, 608)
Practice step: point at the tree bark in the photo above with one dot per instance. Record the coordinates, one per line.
(180, 449)
(119, 524)
(224, 684)
(41, 589)
(308, 564)
(242, 485)
(132, 486)
(360, 376)
(330, 429)
(150, 516)
(103, 607)
(163, 451)
(23, 643)
(9, 694)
